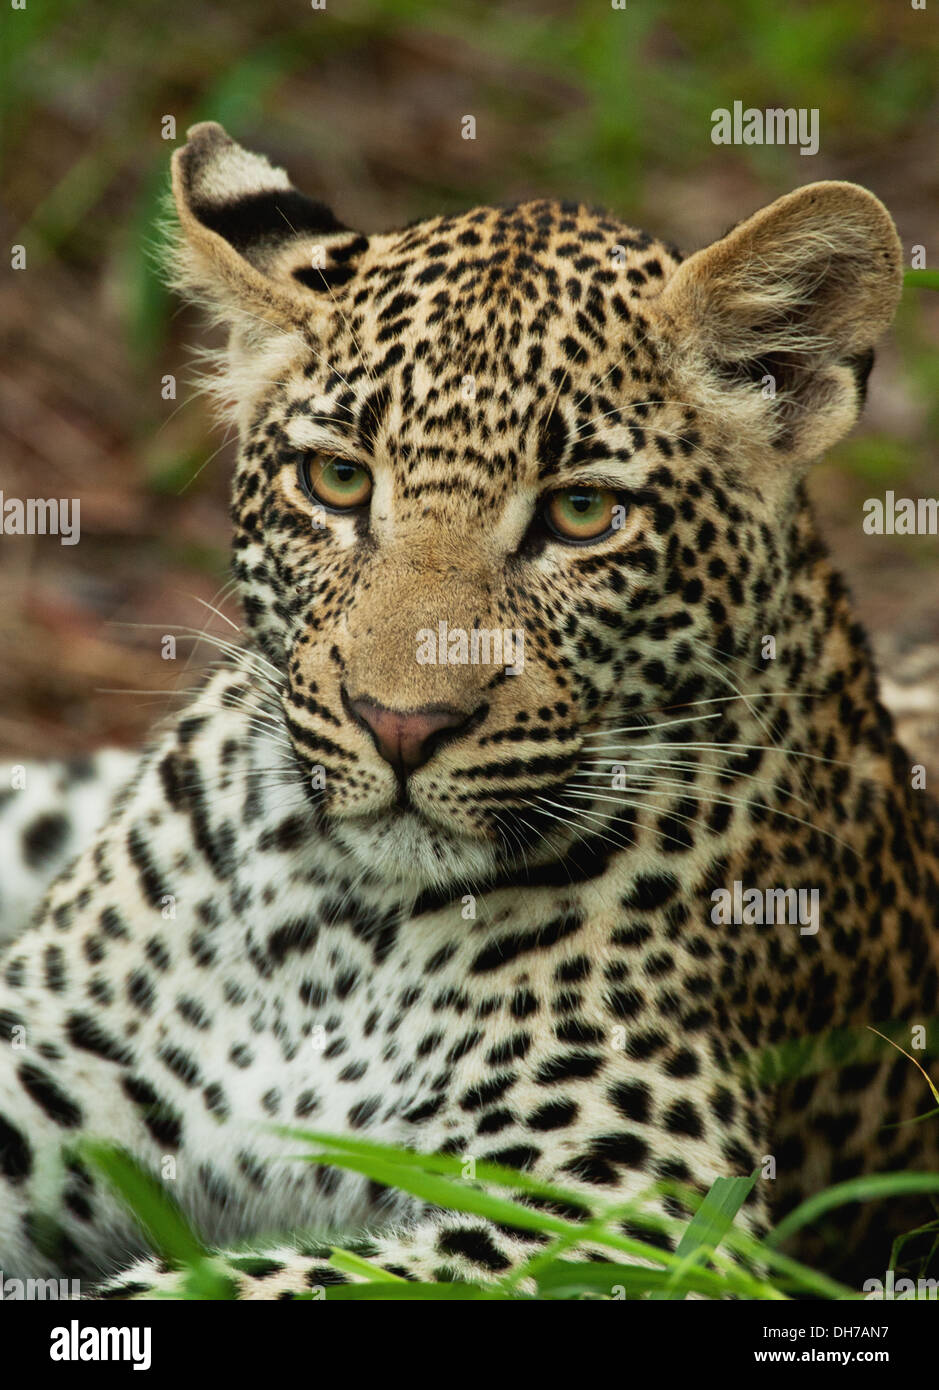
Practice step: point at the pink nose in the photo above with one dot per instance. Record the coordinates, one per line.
(406, 738)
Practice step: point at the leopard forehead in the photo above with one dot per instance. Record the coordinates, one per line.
(482, 345)
(480, 290)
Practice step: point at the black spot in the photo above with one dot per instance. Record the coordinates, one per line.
(181, 1064)
(371, 416)
(683, 1118)
(85, 1032)
(286, 836)
(324, 1275)
(361, 1113)
(627, 1149)
(631, 1099)
(161, 1120)
(44, 838)
(140, 991)
(43, 1090)
(474, 1243)
(554, 1115)
(139, 853)
(16, 1156)
(157, 953)
(485, 1092)
(113, 925)
(651, 891)
(567, 1067)
(518, 1156)
(551, 443)
(215, 1101)
(79, 1205)
(54, 959)
(300, 934)
(256, 1266)
(115, 1293)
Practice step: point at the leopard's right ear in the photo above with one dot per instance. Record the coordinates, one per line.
(251, 243)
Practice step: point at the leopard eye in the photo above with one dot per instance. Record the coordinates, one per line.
(581, 513)
(336, 483)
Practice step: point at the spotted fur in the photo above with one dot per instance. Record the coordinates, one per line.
(501, 946)
(48, 812)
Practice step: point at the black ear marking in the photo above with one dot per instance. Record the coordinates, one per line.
(259, 218)
(861, 364)
(248, 233)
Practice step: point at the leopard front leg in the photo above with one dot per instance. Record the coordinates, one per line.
(457, 1247)
(444, 1249)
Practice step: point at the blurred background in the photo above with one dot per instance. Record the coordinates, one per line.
(363, 102)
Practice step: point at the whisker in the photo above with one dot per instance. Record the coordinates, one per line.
(767, 729)
(715, 747)
(608, 837)
(212, 609)
(712, 798)
(660, 724)
(714, 700)
(242, 654)
(631, 763)
(633, 801)
(230, 434)
(552, 849)
(581, 836)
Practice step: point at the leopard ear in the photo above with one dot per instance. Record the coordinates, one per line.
(250, 241)
(776, 323)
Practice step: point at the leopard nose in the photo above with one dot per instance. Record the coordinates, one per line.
(407, 738)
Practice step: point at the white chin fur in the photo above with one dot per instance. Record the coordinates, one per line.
(405, 850)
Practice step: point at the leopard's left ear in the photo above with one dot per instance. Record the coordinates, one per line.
(251, 242)
(775, 324)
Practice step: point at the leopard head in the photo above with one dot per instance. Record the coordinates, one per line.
(511, 478)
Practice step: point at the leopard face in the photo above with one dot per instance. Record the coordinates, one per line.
(530, 436)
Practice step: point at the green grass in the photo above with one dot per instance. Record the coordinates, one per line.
(587, 1257)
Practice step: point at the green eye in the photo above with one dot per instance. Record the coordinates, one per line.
(336, 483)
(581, 513)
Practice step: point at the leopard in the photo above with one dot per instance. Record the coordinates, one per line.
(542, 662)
